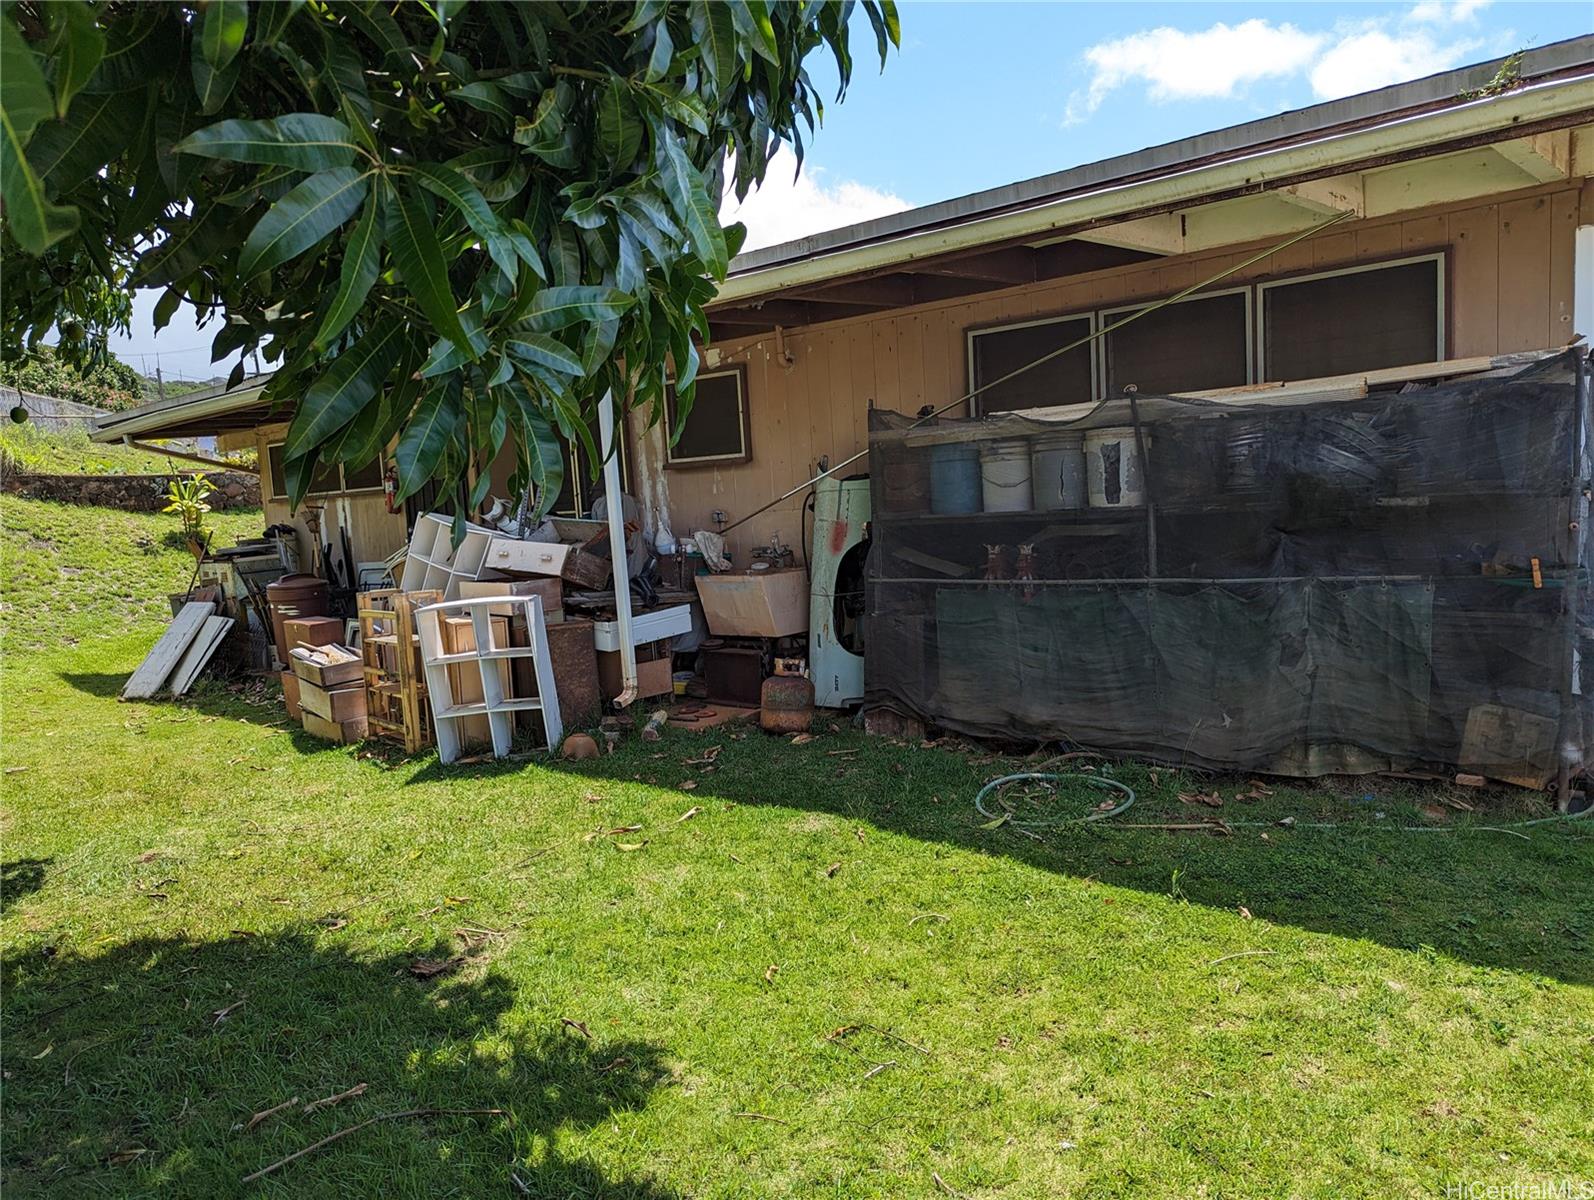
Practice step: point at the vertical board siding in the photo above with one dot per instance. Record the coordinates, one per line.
(1509, 281)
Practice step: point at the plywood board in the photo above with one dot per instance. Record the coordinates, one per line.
(167, 652)
(200, 651)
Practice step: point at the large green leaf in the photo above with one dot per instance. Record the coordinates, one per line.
(35, 222)
(715, 30)
(430, 430)
(619, 124)
(362, 260)
(214, 60)
(305, 141)
(419, 258)
(302, 218)
(555, 307)
(77, 46)
(347, 387)
(689, 197)
(97, 130)
(541, 447)
(540, 348)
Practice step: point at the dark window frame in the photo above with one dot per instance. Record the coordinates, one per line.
(343, 489)
(743, 404)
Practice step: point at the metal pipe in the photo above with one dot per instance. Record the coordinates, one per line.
(1570, 728)
(617, 550)
(150, 448)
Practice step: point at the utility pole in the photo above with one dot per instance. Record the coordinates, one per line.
(160, 384)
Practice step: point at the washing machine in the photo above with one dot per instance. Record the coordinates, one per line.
(836, 593)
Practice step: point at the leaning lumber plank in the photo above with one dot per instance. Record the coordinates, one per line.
(164, 656)
(200, 651)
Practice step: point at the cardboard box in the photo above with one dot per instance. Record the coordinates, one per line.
(335, 731)
(654, 675)
(770, 603)
(552, 592)
(313, 631)
(340, 704)
(329, 675)
(290, 695)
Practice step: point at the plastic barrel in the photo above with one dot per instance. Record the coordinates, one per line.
(1005, 475)
(954, 478)
(1112, 468)
(1057, 471)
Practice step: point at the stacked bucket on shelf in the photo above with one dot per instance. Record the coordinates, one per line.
(1048, 472)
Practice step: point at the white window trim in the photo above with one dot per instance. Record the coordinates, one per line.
(1245, 290)
(743, 425)
(1437, 258)
(342, 479)
(1091, 317)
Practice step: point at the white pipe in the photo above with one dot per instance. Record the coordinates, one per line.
(1122, 201)
(617, 550)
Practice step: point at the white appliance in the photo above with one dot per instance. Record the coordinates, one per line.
(836, 596)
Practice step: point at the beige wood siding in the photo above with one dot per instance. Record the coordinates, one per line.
(1510, 288)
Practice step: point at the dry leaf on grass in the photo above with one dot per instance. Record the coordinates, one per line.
(628, 847)
(1210, 799)
(1245, 913)
(122, 1157)
(221, 1014)
(770, 972)
(689, 785)
(688, 814)
(830, 871)
(801, 739)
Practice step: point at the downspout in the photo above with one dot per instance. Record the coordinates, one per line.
(617, 550)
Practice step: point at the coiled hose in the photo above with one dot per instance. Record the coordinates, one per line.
(1096, 781)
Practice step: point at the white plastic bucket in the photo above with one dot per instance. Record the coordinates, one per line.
(1005, 475)
(1057, 462)
(1112, 468)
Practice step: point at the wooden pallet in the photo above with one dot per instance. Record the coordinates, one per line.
(396, 699)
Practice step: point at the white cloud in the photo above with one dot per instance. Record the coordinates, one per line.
(1437, 12)
(784, 208)
(1374, 58)
(1224, 60)
(1210, 63)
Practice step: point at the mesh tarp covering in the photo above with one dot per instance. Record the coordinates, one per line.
(1299, 587)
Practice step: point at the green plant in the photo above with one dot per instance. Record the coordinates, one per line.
(445, 222)
(188, 499)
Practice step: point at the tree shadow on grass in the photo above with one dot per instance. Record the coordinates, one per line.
(137, 1070)
(107, 685)
(21, 877)
(1519, 901)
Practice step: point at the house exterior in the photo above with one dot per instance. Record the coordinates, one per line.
(1445, 218)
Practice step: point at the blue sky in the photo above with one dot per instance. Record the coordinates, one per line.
(984, 94)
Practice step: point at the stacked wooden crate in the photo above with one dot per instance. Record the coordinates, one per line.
(327, 686)
(395, 682)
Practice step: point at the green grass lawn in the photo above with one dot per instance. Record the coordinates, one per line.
(70, 452)
(798, 970)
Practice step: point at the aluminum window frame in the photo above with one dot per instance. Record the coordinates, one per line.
(1092, 316)
(1441, 300)
(1252, 348)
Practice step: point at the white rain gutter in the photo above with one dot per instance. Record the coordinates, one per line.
(153, 417)
(617, 550)
(1269, 168)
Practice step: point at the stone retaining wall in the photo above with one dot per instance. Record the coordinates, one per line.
(136, 493)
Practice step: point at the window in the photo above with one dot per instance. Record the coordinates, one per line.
(581, 487)
(716, 427)
(1358, 319)
(329, 478)
(1066, 379)
(1190, 346)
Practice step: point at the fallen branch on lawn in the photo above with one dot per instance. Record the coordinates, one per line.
(752, 1116)
(267, 1114)
(328, 1101)
(392, 1116)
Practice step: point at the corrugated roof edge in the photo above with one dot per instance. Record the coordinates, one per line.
(1280, 129)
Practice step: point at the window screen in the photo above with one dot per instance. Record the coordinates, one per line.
(1357, 321)
(360, 478)
(1186, 347)
(1062, 380)
(716, 426)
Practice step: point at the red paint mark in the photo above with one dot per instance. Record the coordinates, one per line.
(838, 537)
